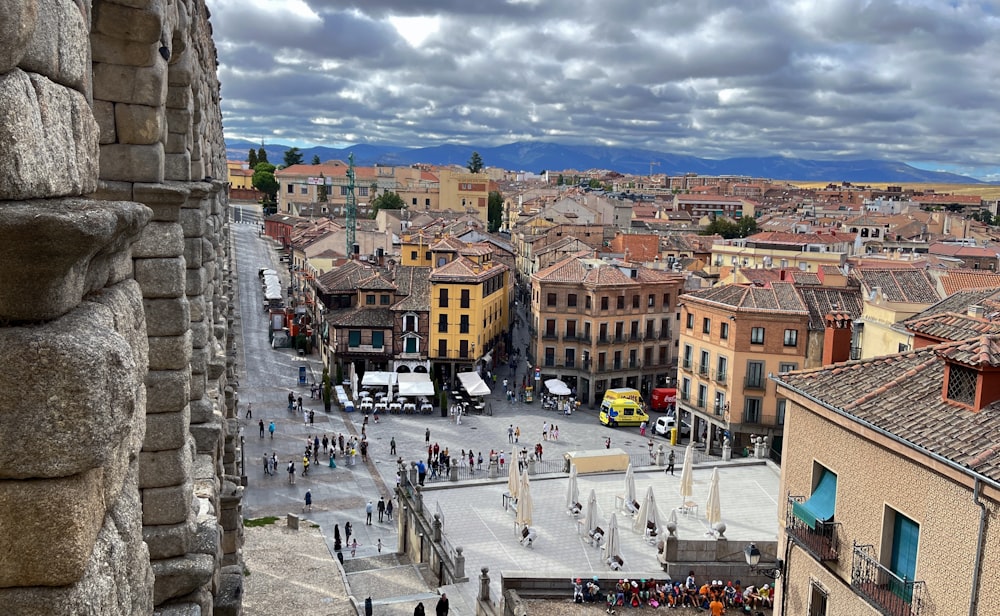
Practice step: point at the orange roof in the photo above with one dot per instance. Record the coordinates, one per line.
(962, 279)
(637, 247)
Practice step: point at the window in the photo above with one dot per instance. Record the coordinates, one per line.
(362, 191)
(688, 351)
(291, 189)
(384, 300)
(791, 337)
(571, 329)
(690, 321)
(962, 384)
(822, 502)
(783, 367)
(666, 301)
(782, 405)
(619, 331)
(410, 345)
(587, 303)
(650, 331)
(635, 301)
(902, 347)
(665, 328)
(410, 323)
(721, 368)
(724, 331)
(634, 332)
(550, 300)
(570, 358)
(378, 339)
(550, 356)
(413, 255)
(702, 396)
(633, 359)
(751, 410)
(757, 335)
(755, 375)
(370, 299)
(903, 552)
(443, 302)
(618, 360)
(414, 201)
(604, 332)
(464, 301)
(621, 302)
(463, 324)
(604, 303)
(571, 300)
(427, 202)
(703, 365)
(442, 348)
(550, 327)
(354, 338)
(343, 191)
(685, 389)
(443, 323)
(427, 255)
(651, 302)
(706, 326)
(304, 190)
(463, 348)
(817, 600)
(602, 359)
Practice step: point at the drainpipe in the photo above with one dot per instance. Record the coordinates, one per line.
(974, 603)
(784, 574)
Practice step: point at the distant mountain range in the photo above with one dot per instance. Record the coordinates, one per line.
(541, 156)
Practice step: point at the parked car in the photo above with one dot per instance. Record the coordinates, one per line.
(665, 424)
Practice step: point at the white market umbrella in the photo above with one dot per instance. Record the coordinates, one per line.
(524, 504)
(629, 484)
(513, 479)
(557, 387)
(713, 509)
(572, 490)
(611, 547)
(687, 472)
(354, 383)
(590, 521)
(647, 513)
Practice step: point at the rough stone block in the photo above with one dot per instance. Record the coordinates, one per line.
(197, 279)
(197, 303)
(181, 71)
(16, 30)
(161, 278)
(59, 48)
(176, 143)
(193, 248)
(92, 377)
(160, 469)
(167, 317)
(165, 199)
(179, 609)
(138, 124)
(199, 334)
(159, 239)
(170, 352)
(176, 577)
(131, 84)
(166, 505)
(140, 163)
(199, 386)
(178, 120)
(167, 391)
(113, 50)
(129, 23)
(104, 113)
(178, 97)
(202, 410)
(228, 598)
(199, 361)
(208, 537)
(171, 540)
(52, 526)
(177, 166)
(208, 436)
(51, 137)
(193, 221)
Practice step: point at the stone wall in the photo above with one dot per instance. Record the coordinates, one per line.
(119, 489)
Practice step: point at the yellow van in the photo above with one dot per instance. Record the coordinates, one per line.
(622, 412)
(623, 393)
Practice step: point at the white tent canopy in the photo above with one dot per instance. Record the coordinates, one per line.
(473, 384)
(415, 384)
(557, 387)
(375, 378)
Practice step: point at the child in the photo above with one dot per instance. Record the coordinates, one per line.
(354, 547)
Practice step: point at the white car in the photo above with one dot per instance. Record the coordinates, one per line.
(665, 424)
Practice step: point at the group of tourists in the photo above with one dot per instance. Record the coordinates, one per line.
(715, 596)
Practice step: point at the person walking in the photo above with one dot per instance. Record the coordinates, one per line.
(380, 545)
(510, 433)
(442, 605)
(326, 443)
(607, 443)
(270, 428)
(419, 610)
(670, 462)
(392, 446)
(517, 434)
(267, 464)
(249, 411)
(369, 508)
(347, 532)
(354, 547)
(381, 509)
(427, 435)
(309, 501)
(291, 471)
(388, 510)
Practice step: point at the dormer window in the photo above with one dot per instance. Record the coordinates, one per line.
(962, 384)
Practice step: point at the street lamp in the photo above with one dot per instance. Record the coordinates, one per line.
(752, 555)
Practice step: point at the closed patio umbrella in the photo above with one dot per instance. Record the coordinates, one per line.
(647, 513)
(687, 480)
(513, 479)
(572, 490)
(713, 509)
(611, 545)
(629, 484)
(524, 504)
(590, 521)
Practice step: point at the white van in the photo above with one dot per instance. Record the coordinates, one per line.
(665, 424)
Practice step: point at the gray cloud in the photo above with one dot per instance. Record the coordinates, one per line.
(906, 80)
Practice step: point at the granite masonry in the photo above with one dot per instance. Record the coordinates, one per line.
(119, 486)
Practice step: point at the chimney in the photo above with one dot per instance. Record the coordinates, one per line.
(977, 311)
(837, 337)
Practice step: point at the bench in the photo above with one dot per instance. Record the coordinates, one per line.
(509, 502)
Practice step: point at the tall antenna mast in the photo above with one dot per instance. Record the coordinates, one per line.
(351, 210)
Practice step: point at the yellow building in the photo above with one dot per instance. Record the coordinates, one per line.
(240, 175)
(465, 192)
(806, 251)
(891, 295)
(470, 304)
(893, 483)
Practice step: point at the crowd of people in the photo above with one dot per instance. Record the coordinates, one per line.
(715, 596)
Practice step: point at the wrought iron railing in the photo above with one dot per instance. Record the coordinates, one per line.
(822, 542)
(881, 588)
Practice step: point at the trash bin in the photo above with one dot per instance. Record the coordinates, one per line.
(302, 375)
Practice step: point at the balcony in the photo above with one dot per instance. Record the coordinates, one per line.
(700, 403)
(855, 352)
(570, 363)
(685, 396)
(617, 365)
(665, 334)
(686, 364)
(633, 364)
(550, 361)
(881, 588)
(703, 370)
(550, 335)
(822, 542)
(755, 382)
(603, 340)
(719, 377)
(621, 338)
(585, 339)
(360, 349)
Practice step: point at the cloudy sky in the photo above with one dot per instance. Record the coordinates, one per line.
(910, 80)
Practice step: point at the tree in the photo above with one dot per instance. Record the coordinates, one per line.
(746, 226)
(293, 156)
(321, 193)
(252, 159)
(561, 180)
(475, 163)
(261, 155)
(387, 201)
(315, 160)
(494, 211)
(263, 180)
(728, 229)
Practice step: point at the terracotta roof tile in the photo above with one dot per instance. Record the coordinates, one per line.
(952, 326)
(899, 285)
(778, 297)
(960, 279)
